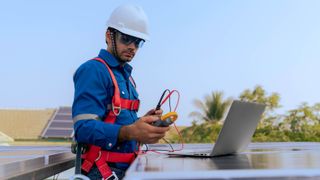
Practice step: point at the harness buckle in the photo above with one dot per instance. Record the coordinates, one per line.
(116, 108)
(113, 176)
(132, 105)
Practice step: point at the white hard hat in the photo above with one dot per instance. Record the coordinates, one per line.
(131, 20)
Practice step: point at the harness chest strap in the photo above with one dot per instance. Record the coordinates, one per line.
(95, 154)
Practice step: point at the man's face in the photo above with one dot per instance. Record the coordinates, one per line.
(127, 46)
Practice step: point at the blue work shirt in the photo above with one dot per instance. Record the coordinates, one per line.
(93, 92)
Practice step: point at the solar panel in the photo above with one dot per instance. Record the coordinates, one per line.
(60, 125)
(62, 116)
(64, 133)
(65, 110)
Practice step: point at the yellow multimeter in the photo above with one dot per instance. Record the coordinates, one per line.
(166, 120)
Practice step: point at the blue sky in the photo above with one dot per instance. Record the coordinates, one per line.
(196, 47)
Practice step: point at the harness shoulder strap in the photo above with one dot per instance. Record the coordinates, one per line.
(116, 102)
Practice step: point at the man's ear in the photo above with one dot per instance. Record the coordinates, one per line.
(108, 37)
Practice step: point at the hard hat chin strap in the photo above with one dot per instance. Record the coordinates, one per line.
(114, 47)
(113, 41)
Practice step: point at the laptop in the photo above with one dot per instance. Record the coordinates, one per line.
(236, 132)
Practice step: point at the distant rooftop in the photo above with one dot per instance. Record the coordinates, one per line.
(5, 138)
(24, 123)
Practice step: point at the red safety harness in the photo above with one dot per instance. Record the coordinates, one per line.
(101, 157)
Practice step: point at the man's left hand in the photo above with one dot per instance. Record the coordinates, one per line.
(154, 112)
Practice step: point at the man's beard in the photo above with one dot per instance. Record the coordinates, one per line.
(123, 58)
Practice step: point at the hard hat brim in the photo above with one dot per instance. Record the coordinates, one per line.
(131, 32)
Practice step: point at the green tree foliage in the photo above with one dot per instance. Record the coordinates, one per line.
(298, 118)
(206, 132)
(307, 133)
(211, 112)
(212, 109)
(259, 95)
(300, 124)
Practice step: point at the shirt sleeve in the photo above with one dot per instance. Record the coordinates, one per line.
(92, 94)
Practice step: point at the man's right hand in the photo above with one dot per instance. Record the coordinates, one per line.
(143, 131)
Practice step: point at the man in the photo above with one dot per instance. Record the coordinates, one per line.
(106, 102)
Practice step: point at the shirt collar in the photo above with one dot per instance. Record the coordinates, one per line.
(112, 61)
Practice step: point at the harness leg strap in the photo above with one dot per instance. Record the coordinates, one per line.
(90, 158)
(104, 168)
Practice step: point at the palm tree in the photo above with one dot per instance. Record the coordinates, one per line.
(212, 109)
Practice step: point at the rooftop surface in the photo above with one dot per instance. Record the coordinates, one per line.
(34, 162)
(285, 160)
(293, 160)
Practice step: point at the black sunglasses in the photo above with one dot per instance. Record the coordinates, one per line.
(127, 39)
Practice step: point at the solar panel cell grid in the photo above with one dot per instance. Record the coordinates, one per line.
(63, 117)
(61, 125)
(65, 110)
(58, 133)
